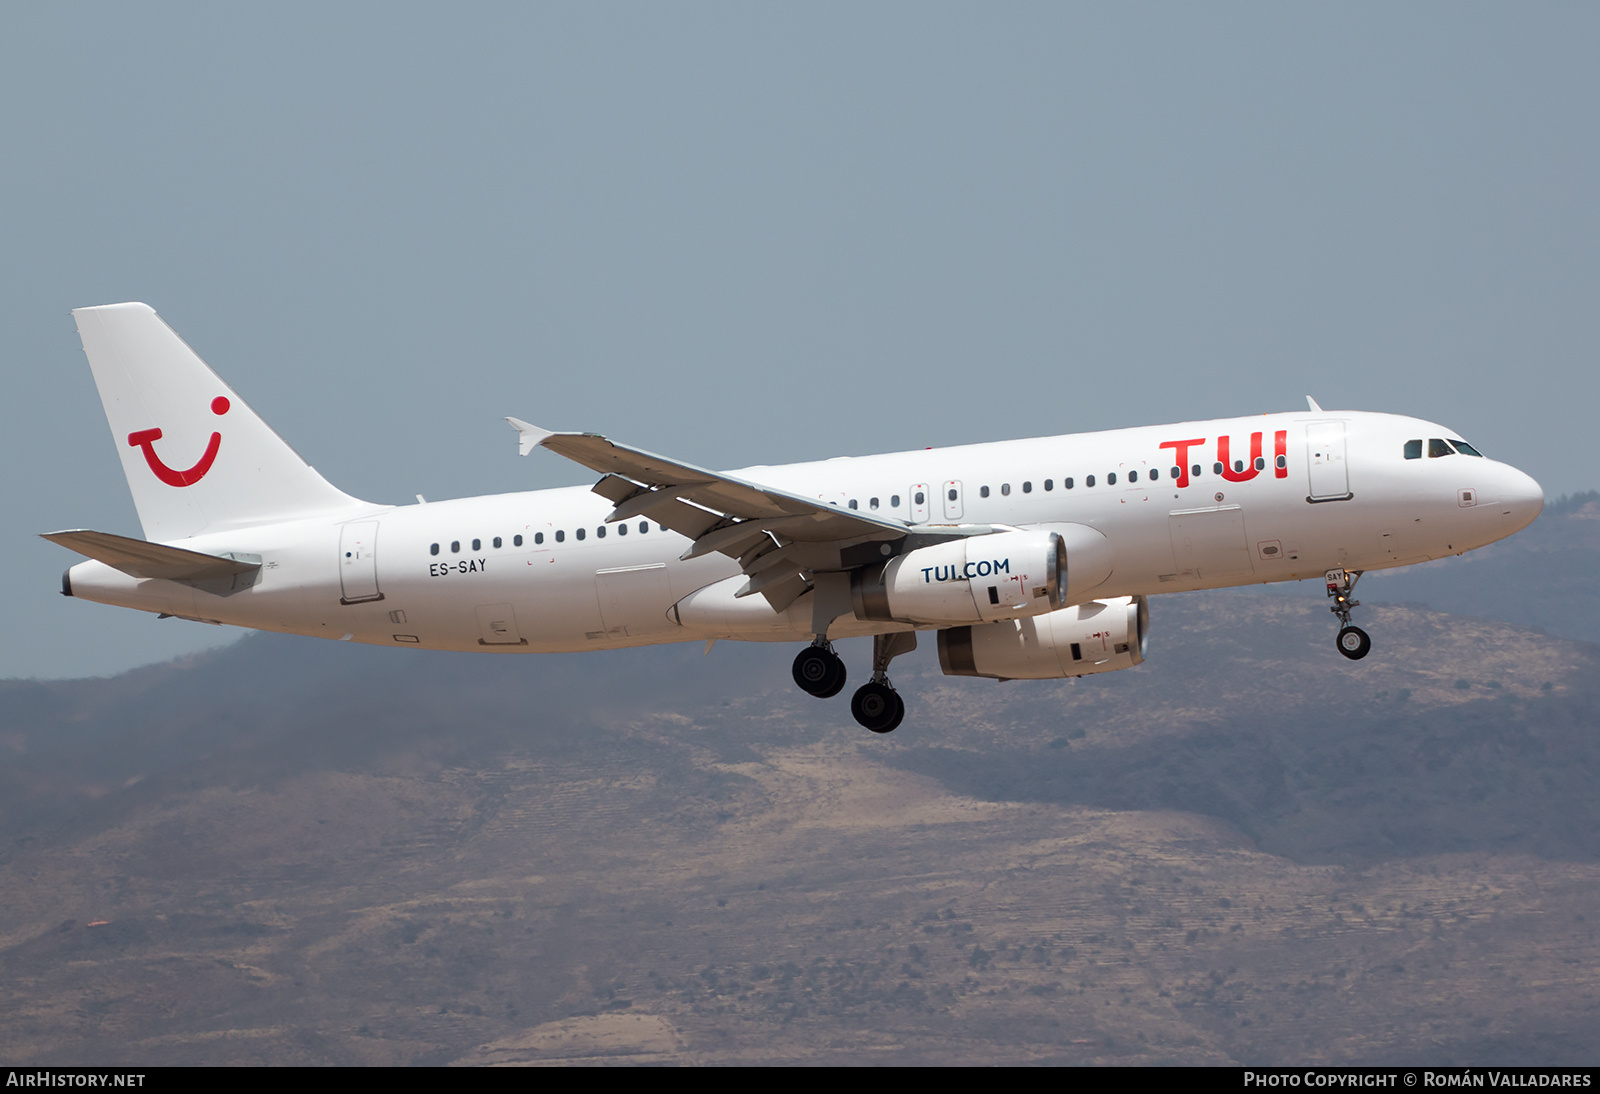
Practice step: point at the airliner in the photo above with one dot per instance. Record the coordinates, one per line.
(1028, 559)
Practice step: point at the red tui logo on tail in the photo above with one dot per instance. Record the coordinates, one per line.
(147, 438)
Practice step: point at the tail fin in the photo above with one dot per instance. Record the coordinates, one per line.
(197, 458)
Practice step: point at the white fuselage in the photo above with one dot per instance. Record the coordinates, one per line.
(1343, 496)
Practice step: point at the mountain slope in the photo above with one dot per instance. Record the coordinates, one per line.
(1247, 849)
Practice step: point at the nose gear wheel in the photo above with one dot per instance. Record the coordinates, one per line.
(1354, 643)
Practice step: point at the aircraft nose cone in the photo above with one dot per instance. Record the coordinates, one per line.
(1521, 500)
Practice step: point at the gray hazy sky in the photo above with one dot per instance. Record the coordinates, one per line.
(757, 233)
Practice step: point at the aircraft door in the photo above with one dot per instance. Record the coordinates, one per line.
(358, 562)
(919, 503)
(1325, 463)
(951, 492)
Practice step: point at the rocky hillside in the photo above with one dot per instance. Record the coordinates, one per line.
(1245, 850)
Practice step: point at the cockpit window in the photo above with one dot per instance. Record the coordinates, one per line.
(1438, 447)
(1414, 450)
(1465, 449)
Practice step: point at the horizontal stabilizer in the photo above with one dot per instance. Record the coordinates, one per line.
(142, 559)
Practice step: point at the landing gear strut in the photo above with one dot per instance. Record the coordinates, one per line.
(818, 670)
(1352, 641)
(876, 704)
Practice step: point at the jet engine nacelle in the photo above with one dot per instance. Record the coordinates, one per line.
(1100, 636)
(1003, 575)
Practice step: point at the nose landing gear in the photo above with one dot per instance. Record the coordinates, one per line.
(1352, 641)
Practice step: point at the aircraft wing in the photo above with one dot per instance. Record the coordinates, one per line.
(778, 537)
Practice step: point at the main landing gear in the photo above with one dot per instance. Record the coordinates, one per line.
(818, 670)
(876, 705)
(1352, 641)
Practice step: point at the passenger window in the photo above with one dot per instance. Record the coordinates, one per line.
(920, 498)
(1088, 480)
(644, 526)
(497, 541)
(580, 532)
(455, 546)
(1216, 468)
(561, 535)
(477, 545)
(1049, 485)
(1005, 489)
(1155, 473)
(853, 504)
(1261, 463)
(1177, 472)
(434, 549)
(1465, 449)
(622, 529)
(952, 494)
(1027, 488)
(1414, 450)
(516, 541)
(1111, 479)
(600, 532)
(1283, 461)
(1437, 447)
(1066, 483)
(983, 491)
(538, 537)
(1133, 476)
(872, 504)
(894, 501)
(1195, 471)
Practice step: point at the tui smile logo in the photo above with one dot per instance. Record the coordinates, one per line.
(147, 438)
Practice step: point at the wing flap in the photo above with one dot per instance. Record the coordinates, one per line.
(767, 579)
(783, 594)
